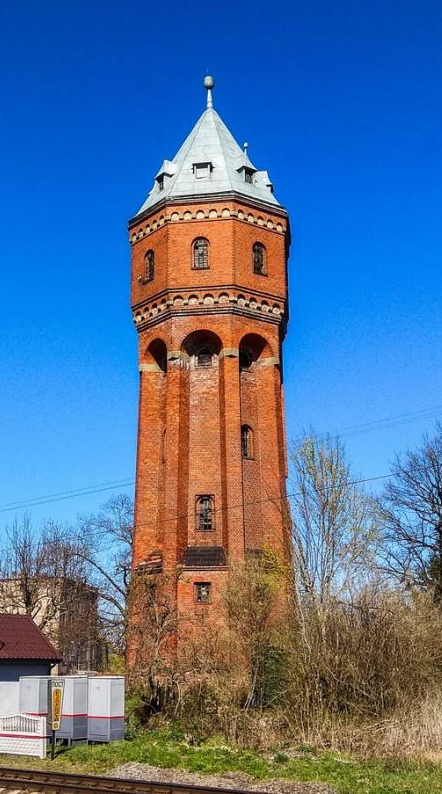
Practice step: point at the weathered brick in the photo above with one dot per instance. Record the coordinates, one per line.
(189, 436)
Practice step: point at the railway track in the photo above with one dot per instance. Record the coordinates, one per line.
(33, 780)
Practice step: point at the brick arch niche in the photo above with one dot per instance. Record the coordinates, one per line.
(201, 436)
(257, 409)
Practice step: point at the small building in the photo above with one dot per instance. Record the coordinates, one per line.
(24, 650)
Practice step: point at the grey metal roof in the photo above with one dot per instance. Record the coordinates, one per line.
(211, 143)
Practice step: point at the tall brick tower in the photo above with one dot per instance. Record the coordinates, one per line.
(209, 292)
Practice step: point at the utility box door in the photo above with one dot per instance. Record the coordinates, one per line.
(106, 708)
(33, 695)
(74, 714)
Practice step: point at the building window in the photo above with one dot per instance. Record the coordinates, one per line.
(248, 176)
(203, 592)
(259, 259)
(202, 170)
(204, 513)
(200, 254)
(149, 267)
(204, 358)
(149, 261)
(160, 182)
(246, 441)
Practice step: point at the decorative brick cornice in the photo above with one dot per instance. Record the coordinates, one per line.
(242, 214)
(219, 198)
(220, 301)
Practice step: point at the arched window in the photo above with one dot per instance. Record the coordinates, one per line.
(149, 267)
(204, 357)
(149, 260)
(204, 513)
(259, 259)
(246, 441)
(200, 254)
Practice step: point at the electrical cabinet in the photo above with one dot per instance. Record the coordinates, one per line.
(105, 708)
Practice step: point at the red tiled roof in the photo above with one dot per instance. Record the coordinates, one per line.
(20, 638)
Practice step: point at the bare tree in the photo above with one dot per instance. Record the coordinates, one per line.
(333, 520)
(43, 576)
(412, 516)
(104, 542)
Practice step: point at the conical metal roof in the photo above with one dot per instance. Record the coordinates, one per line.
(209, 162)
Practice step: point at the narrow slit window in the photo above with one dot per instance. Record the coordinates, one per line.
(204, 514)
(203, 592)
(149, 260)
(246, 441)
(259, 259)
(149, 267)
(200, 254)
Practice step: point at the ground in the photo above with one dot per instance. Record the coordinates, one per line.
(161, 755)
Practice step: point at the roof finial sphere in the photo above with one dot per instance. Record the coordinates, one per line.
(209, 82)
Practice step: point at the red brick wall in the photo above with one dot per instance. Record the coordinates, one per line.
(189, 439)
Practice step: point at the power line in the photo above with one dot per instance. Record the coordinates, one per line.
(268, 499)
(239, 505)
(391, 421)
(364, 427)
(62, 495)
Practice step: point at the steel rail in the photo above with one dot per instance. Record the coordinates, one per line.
(37, 780)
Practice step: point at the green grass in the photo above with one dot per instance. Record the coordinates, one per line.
(165, 749)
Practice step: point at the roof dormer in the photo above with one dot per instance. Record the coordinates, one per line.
(202, 170)
(247, 173)
(167, 170)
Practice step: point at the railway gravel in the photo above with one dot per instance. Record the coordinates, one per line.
(231, 780)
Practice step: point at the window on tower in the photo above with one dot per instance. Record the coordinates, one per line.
(204, 358)
(246, 441)
(200, 251)
(248, 176)
(149, 267)
(259, 259)
(202, 170)
(202, 592)
(204, 513)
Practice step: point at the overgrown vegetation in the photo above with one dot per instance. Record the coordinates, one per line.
(344, 654)
(340, 650)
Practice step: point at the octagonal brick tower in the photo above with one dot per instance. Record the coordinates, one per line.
(209, 300)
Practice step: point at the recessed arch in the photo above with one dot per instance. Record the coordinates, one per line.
(252, 348)
(201, 341)
(156, 354)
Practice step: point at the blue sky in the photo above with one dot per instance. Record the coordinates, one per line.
(340, 101)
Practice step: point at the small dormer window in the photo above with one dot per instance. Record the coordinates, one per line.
(160, 182)
(202, 170)
(248, 176)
